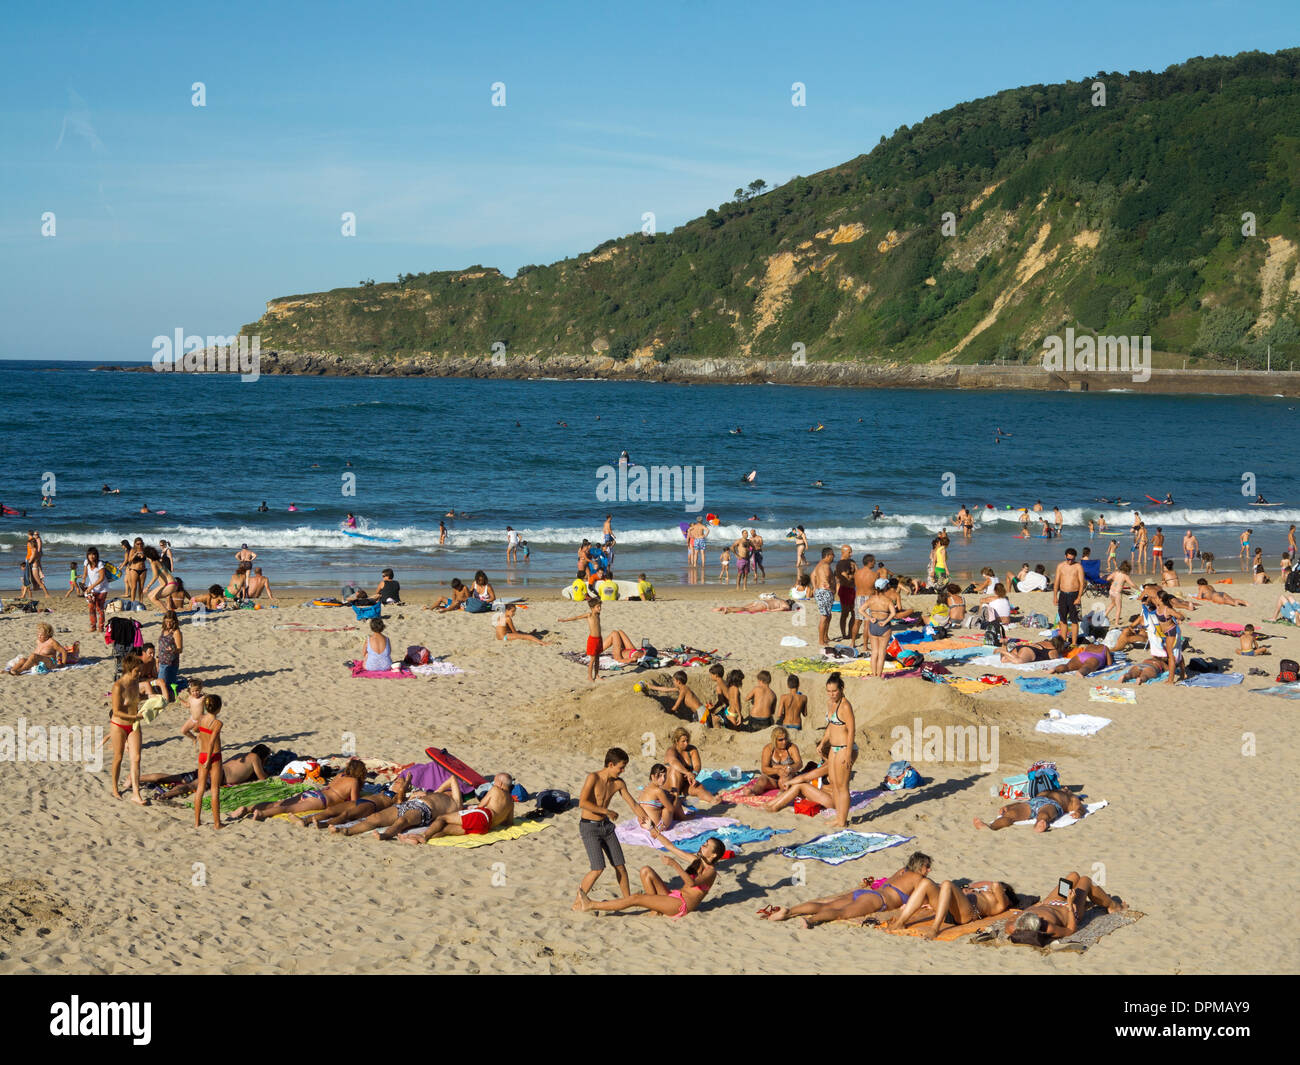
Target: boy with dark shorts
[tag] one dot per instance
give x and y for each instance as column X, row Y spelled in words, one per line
column 596, row 827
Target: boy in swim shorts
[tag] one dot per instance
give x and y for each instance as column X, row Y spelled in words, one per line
column 596, row 826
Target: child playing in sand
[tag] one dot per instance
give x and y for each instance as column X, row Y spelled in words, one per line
column 762, row 700
column 1250, row 644
column 794, row 705
column 596, row 820
column 209, row 729
column 455, row 601
column 726, row 705
column 688, row 704
column 507, row 630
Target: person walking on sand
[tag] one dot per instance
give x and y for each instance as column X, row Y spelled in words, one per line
column 1245, row 547
column 512, row 545
column 801, row 549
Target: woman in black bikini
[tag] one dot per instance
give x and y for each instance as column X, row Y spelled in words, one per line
column 779, row 761
column 1039, row 651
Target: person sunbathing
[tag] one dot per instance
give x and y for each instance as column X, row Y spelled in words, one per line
column 238, row 770
column 418, row 810
column 1287, row 609
column 758, row 606
column 507, row 630
column 48, row 652
column 1024, row 651
column 697, row 878
column 687, row 704
column 342, row 813
column 956, row 905
column 346, row 785
column 683, row 763
column 1207, row 592
column 777, row 764
column 1146, row 672
column 1057, row 915
column 1042, row 809
column 874, row 896
column 495, row 810
column 1134, row 634
column 1087, row 659
column 663, row 805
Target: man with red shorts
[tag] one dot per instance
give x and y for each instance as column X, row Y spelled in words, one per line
column 495, row 810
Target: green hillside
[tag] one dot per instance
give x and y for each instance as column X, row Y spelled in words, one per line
column 1121, row 219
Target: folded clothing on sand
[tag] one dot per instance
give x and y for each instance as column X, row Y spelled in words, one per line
column 1065, row 820
column 842, row 846
column 1212, row 680
column 1071, row 724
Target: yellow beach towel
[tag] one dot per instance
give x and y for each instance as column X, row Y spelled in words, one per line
column 499, row 835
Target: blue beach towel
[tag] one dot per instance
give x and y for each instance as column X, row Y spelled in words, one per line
column 734, row 836
column 1212, row 680
column 957, row 654
column 716, row 780
column 1282, row 691
column 843, row 846
column 1041, row 685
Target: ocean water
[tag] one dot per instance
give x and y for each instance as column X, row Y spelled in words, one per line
column 400, row 453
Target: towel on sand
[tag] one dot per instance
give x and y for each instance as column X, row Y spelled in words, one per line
column 271, row 789
column 1223, row 628
column 950, row 932
column 1102, row 694
column 858, row 800
column 1041, row 685
column 359, row 670
column 1282, row 691
column 1065, row 820
column 842, row 846
column 957, row 654
column 79, row 664
column 1212, row 680
column 734, row 836
column 436, row 668
column 718, row 780
column 994, row 660
column 497, row 835
column 1071, row 724
column 634, row 835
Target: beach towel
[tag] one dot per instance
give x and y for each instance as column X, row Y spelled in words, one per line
column 919, row 925
column 1223, row 628
column 842, row 846
column 858, row 800
column 1102, row 694
column 1041, row 685
column 436, row 668
column 298, row 626
column 39, row 672
column 958, row 654
column 1065, row 820
column 271, row 789
column 358, row 670
column 716, row 780
column 964, row 685
column 793, row 641
column 1212, row 680
column 995, row 661
column 149, row 709
column 734, row 836
column 607, row 662
column 1071, row 724
column 497, row 835
column 632, row 834
column 1282, row 691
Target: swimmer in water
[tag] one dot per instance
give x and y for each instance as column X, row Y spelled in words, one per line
column 876, row 514
column 293, row 506
column 818, row 484
column 263, row 508
column 144, row 508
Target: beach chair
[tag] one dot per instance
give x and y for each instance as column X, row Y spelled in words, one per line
column 1092, row 574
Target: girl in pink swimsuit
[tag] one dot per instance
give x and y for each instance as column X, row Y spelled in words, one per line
column 699, row 876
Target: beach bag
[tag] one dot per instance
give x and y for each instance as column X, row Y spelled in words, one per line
column 911, row 659
column 1288, row 672
column 364, row 613
column 1042, row 777
column 417, row 655
column 553, row 801
column 994, row 633
column 1293, row 580
column 902, row 775
column 892, row 648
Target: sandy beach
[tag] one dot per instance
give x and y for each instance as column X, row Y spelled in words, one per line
column 93, row 885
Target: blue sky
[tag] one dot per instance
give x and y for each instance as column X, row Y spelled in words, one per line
column 173, row 216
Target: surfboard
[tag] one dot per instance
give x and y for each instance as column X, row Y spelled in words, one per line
column 373, row 539
column 458, row 769
column 1159, row 502
column 1267, row 504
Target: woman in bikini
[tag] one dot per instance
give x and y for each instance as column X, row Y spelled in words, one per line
column 957, row 905
column 123, row 721
column 167, row 584
column 1119, row 581
column 1023, row 651
column 838, row 752
column 209, row 729
column 778, row 763
column 1057, row 915
column 878, row 611
column 1087, row 660
column 697, row 878
column 874, row 896
column 341, row 813
column 663, row 806
column 345, row 787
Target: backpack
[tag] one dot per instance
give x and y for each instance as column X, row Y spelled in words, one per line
column 1288, row 672
column 417, row 655
column 1293, row 580
column 901, row 775
column 994, row 633
column 910, row 659
column 1041, row 777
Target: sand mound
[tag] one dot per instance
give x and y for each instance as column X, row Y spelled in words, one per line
column 30, row 906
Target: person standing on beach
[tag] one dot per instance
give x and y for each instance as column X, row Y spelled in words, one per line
column 845, row 587
column 741, row 549
column 1190, row 549
column 209, row 770
column 1056, row 519
column 1140, row 545
column 1245, row 547
column 607, row 531
column 124, row 719
column 1290, row 542
column 801, row 549
column 1068, row 585
column 244, row 556
column 596, row 821
column 94, row 578
column 1158, row 550
column 512, row 545
column 756, row 559
column 822, row 587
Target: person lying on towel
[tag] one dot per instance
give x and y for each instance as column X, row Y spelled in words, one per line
column 1042, row 809
column 495, row 810
column 956, row 905
column 416, row 810
column 1059, row 915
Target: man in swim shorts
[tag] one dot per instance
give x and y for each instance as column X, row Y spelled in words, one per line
column 495, row 810
column 1043, row 809
column 1068, row 584
column 1057, row 915
column 418, row 809
column 821, row 580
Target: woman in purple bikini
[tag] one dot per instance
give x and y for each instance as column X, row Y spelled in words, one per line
column 874, row 896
